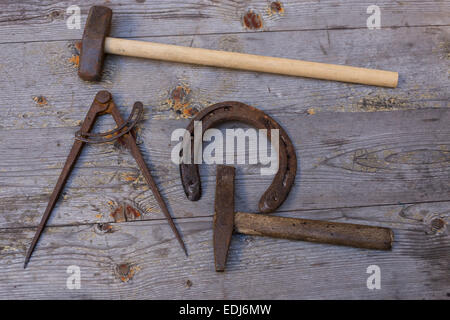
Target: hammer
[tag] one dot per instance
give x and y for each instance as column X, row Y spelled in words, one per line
column 226, row 220
column 96, row 43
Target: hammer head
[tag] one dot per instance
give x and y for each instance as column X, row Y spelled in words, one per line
column 96, row 30
column 224, row 215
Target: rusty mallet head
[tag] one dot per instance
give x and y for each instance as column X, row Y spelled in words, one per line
column 92, row 53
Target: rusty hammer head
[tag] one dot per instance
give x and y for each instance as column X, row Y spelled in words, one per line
column 92, row 53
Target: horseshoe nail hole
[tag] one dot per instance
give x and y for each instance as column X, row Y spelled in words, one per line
column 285, row 180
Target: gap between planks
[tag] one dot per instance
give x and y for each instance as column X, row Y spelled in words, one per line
column 203, row 218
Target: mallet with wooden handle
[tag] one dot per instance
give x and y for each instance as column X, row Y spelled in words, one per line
column 226, row 221
column 96, row 43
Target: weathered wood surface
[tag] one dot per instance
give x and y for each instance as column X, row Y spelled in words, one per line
column 377, row 158
column 30, row 20
column 257, row 267
column 420, row 55
column 366, row 155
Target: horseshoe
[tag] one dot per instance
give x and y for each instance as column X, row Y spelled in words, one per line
column 222, row 112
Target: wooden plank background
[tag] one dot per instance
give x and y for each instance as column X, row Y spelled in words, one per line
column 365, row 154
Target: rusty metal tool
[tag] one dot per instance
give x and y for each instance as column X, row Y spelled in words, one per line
column 226, row 220
column 222, row 112
column 96, row 43
column 104, row 104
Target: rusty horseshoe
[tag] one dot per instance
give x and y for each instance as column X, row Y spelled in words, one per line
column 222, row 112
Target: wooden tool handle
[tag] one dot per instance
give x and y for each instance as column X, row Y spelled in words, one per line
column 354, row 235
column 250, row 62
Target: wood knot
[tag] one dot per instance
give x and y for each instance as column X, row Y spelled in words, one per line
column 252, row 20
column 435, row 224
column 180, row 101
column 125, row 212
column 102, row 228
column 125, row 271
column 276, row 7
column 438, row 225
column 54, row 15
column 40, row 100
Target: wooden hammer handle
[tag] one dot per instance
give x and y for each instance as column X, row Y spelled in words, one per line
column 354, row 235
column 242, row 61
